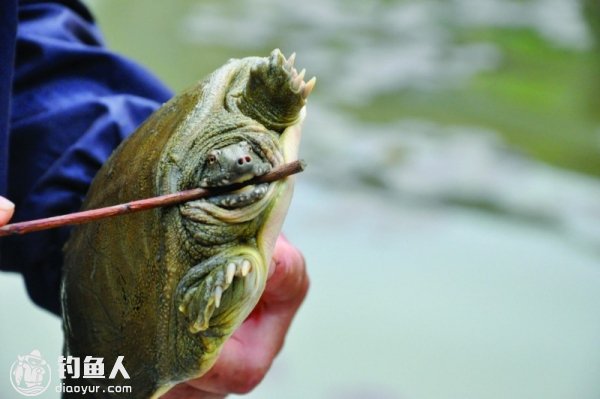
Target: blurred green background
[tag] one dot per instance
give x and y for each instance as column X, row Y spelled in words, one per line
column 450, row 215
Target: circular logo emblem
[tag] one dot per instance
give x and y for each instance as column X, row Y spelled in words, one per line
column 30, row 374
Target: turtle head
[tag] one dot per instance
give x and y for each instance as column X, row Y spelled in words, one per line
column 234, row 163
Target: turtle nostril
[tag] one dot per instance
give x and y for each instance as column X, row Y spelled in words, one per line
column 242, row 160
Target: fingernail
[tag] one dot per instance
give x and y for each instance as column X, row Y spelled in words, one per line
column 6, row 205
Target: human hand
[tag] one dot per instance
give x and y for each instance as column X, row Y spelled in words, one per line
column 247, row 355
column 7, row 209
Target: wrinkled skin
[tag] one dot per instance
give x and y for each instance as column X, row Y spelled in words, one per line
column 165, row 288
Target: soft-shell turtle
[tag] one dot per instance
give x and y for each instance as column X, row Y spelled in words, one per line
column 165, row 288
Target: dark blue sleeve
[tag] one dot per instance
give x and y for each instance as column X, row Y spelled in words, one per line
column 73, row 102
column 8, row 32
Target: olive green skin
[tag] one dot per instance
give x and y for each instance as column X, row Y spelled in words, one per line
column 142, row 285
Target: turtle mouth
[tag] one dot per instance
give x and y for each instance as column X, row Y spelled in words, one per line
column 236, row 206
column 226, row 179
column 240, row 198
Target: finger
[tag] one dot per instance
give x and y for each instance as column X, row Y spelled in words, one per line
column 7, row 209
column 288, row 280
column 247, row 356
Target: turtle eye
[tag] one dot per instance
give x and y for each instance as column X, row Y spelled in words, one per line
column 211, row 158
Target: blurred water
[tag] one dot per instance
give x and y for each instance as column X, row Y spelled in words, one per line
column 360, row 49
column 451, row 236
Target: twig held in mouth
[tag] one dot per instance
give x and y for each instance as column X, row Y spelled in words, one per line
column 144, row 204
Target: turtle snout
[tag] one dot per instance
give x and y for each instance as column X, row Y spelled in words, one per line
column 244, row 163
column 247, row 162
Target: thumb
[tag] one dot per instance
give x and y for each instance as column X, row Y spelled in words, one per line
column 7, row 209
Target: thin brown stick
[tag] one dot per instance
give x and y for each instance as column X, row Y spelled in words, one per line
column 145, row 204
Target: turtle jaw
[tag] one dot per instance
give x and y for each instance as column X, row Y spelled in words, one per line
column 240, row 198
